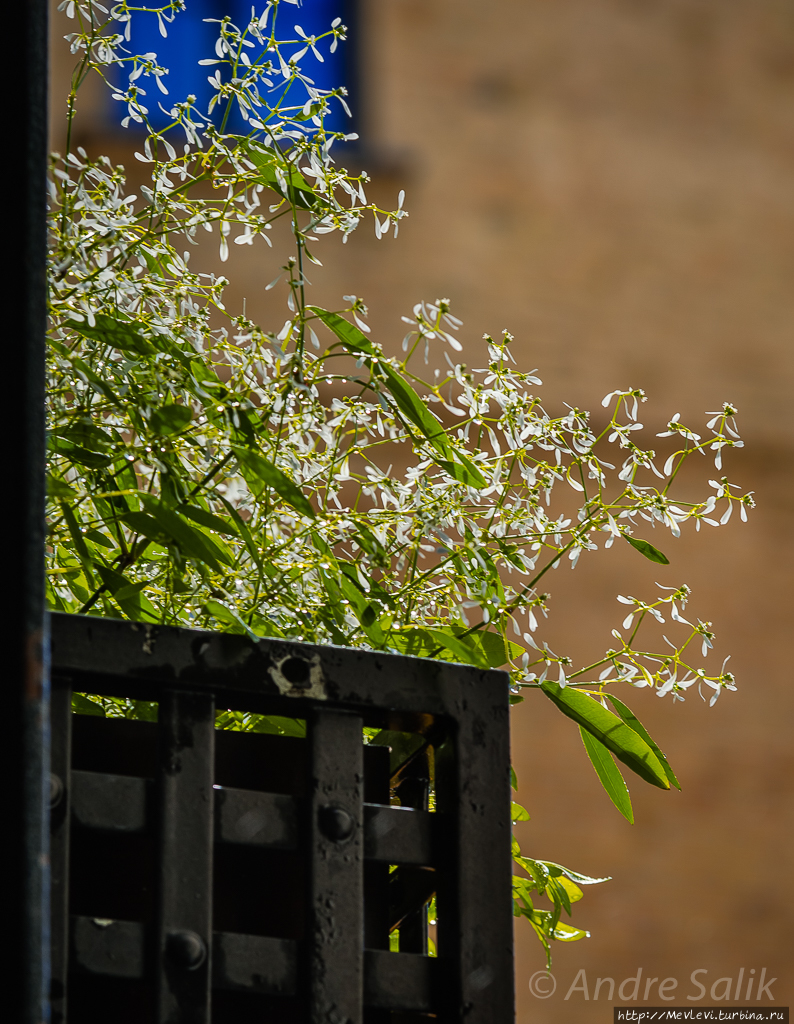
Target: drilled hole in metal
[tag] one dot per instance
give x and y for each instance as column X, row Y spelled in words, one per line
column 295, row 671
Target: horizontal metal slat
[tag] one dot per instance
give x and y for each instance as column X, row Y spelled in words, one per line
column 399, row 981
column 111, row 802
column 392, row 835
column 112, row 948
column 398, row 835
column 253, row 963
column 259, row 819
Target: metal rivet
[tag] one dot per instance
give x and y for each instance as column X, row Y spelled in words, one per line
column 336, row 824
column 56, row 791
column 185, row 949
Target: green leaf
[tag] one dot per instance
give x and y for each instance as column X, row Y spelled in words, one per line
column 648, row 550
column 517, row 812
column 144, row 524
column 75, row 533
column 351, row 337
column 625, row 743
column 299, row 191
column 170, row 419
column 407, row 400
column 513, row 779
column 57, row 488
column 208, row 519
column 223, row 614
column 366, row 613
column 466, row 649
column 127, row 595
column 268, row 475
column 567, row 933
column 81, row 705
column 576, row 876
column 634, row 723
column 193, row 542
column 88, row 435
column 119, row 334
column 607, row 771
column 77, row 453
column 414, row 409
column 403, row 747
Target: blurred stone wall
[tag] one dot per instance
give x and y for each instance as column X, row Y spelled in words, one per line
column 613, row 181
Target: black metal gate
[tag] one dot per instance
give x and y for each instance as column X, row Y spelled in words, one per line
column 206, row 875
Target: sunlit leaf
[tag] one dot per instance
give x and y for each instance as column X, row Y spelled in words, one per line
column 607, row 771
column 644, row 548
column 606, row 727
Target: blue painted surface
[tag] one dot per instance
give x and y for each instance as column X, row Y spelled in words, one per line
column 190, row 39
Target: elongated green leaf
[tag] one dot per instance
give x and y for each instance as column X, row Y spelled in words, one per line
column 170, row 419
column 299, row 191
column 351, row 337
column 363, row 609
column 576, row 876
column 144, row 524
column 464, row 471
column 208, row 519
column 648, row 550
column 269, row 475
column 408, row 402
column 193, row 542
column 567, row 933
column 624, row 742
column 226, row 615
column 87, row 435
column 77, row 453
column 58, row 488
column 76, row 534
column 634, row 723
column 465, row 649
column 127, row 595
column 81, row 705
column 607, row 771
column 118, row 333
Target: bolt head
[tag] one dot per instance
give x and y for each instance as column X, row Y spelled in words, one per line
column 56, row 790
column 185, row 949
column 336, row 824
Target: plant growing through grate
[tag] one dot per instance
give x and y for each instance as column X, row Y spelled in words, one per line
column 202, row 874
column 207, row 472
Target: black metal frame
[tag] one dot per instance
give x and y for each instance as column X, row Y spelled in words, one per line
column 340, row 828
column 24, row 751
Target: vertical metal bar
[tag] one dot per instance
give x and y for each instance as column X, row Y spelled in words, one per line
column 60, row 818
column 475, row 919
column 183, row 954
column 24, row 752
column 336, row 925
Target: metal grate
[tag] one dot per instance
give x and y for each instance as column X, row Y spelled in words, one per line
column 202, row 875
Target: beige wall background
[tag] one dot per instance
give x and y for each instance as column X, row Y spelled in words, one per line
column 613, row 181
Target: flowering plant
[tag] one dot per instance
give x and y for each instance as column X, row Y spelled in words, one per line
column 300, row 482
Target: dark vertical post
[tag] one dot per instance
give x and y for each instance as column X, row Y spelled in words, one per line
column 475, row 919
column 24, row 758
column 60, row 815
column 183, row 954
column 336, row 925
